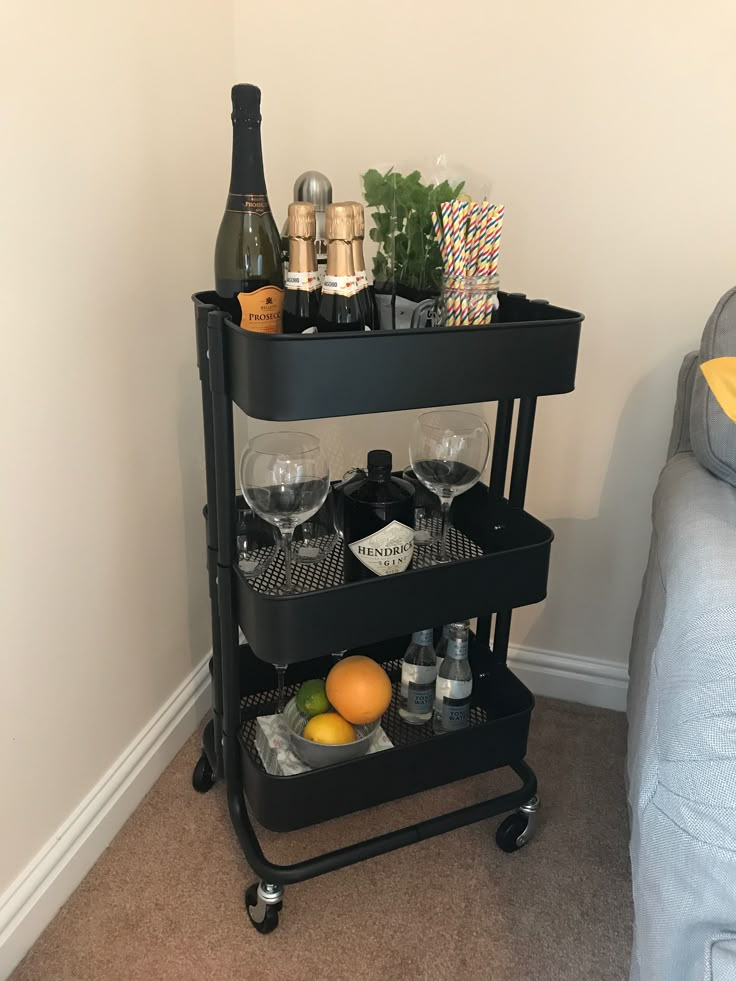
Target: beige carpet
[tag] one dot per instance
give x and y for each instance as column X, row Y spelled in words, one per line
column 165, row 901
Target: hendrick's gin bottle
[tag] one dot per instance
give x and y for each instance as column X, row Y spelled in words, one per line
column 378, row 521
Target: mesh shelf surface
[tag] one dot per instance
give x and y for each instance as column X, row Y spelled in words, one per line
column 329, row 572
column 399, row 732
column 499, row 560
column 501, row 708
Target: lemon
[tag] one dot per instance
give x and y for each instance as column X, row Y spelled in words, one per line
column 329, row 728
column 311, row 698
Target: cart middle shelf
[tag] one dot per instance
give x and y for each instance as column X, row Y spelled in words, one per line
column 504, row 564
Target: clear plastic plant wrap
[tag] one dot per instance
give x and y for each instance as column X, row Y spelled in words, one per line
column 407, row 267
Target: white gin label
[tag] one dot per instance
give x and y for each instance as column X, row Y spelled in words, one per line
column 387, row 551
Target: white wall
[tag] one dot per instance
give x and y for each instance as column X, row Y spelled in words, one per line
column 607, row 129
column 111, row 200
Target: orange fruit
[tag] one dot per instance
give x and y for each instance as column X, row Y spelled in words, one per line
column 329, row 728
column 359, row 689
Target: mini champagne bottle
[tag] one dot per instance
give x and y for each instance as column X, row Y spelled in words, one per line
column 339, row 308
column 365, row 295
column 301, row 300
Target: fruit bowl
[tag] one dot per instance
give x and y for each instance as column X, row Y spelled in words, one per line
column 321, row 754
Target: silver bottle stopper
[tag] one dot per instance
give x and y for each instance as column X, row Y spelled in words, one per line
column 316, row 187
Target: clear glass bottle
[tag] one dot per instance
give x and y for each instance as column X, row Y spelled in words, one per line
column 418, row 675
column 454, row 683
column 441, row 648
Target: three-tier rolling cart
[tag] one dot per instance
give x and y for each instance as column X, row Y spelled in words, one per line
column 530, row 351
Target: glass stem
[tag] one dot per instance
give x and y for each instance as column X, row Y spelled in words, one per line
column 446, row 503
column 280, row 681
column 287, row 533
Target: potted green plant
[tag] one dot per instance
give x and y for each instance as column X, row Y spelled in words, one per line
column 408, row 266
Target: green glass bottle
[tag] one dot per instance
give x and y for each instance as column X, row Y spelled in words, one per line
column 249, row 275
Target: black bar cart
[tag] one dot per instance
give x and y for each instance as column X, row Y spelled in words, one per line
column 531, row 350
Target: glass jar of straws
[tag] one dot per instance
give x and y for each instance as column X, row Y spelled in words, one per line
column 468, row 300
column 469, row 236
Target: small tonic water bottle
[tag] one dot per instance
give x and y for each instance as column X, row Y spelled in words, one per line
column 454, row 683
column 418, row 675
column 441, row 648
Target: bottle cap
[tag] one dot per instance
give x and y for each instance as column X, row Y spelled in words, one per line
column 358, row 219
column 339, row 222
column 246, row 103
column 379, row 460
column 302, row 222
column 315, row 187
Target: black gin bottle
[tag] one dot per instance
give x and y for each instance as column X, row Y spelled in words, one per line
column 378, row 521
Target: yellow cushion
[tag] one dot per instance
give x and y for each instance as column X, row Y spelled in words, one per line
column 720, row 373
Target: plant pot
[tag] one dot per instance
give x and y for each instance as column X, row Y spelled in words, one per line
column 397, row 315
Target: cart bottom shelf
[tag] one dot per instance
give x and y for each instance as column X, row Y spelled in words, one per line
column 497, row 736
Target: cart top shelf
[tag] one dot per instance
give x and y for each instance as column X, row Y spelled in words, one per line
column 531, row 350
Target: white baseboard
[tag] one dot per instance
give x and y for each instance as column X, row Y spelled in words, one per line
column 571, row 677
column 31, row 902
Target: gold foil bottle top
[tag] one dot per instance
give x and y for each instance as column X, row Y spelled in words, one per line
column 358, row 219
column 339, row 222
column 302, row 221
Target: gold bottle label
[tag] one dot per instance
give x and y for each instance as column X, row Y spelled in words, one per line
column 262, row 309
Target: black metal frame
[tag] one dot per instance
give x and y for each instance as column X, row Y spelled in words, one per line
column 220, row 738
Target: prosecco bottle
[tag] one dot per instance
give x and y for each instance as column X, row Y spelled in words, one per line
column 378, row 521
column 301, row 300
column 249, row 276
column 339, row 309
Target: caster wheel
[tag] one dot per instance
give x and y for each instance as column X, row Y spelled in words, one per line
column 509, row 832
column 264, row 916
column 203, row 778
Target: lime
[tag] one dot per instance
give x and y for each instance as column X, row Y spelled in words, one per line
column 311, row 698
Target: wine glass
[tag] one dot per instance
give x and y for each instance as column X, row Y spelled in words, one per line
column 449, row 451
column 285, row 479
